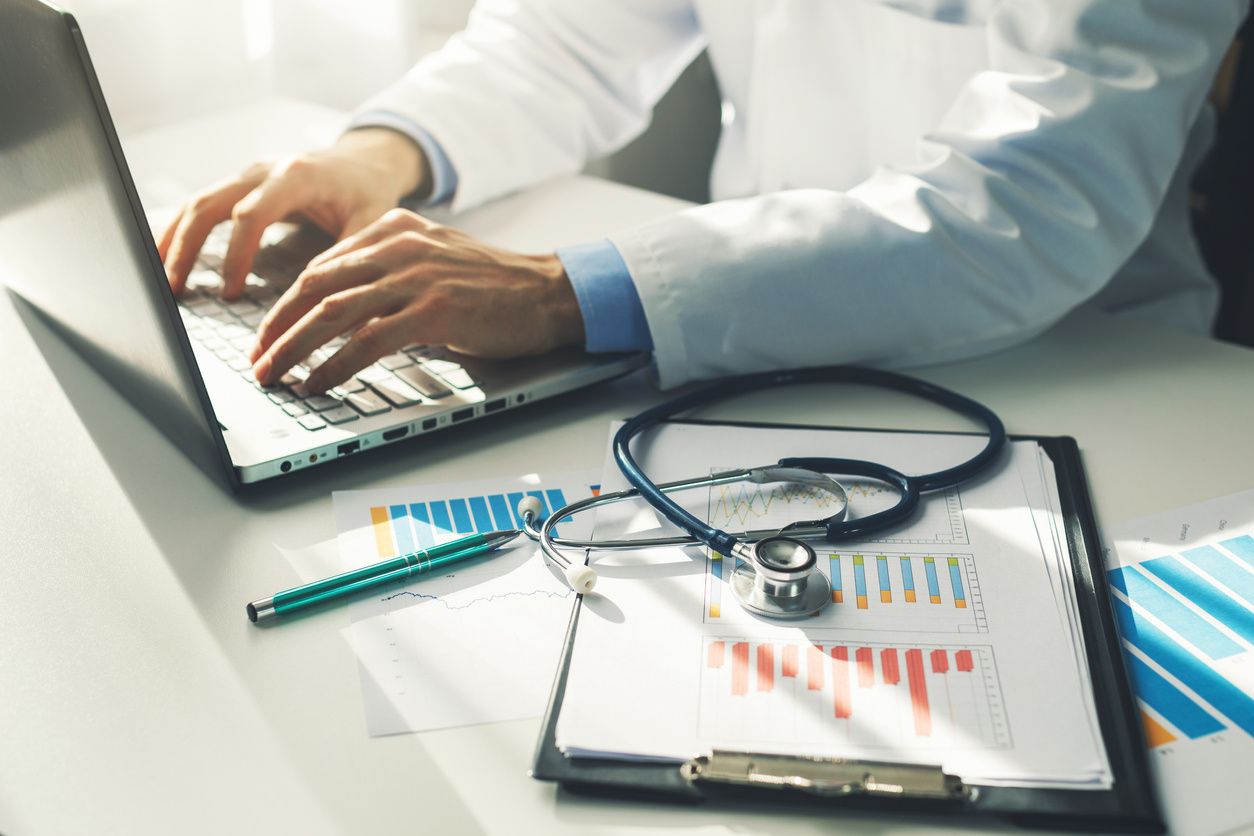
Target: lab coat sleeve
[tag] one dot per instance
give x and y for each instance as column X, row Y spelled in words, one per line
column 1040, row 181
column 535, row 88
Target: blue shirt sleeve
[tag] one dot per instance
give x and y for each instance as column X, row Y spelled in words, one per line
column 613, row 318
column 443, row 175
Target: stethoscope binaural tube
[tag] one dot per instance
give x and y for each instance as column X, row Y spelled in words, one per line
column 582, row 578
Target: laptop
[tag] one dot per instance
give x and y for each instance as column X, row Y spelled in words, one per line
column 75, row 243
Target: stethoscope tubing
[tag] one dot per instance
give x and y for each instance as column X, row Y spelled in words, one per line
column 910, row 487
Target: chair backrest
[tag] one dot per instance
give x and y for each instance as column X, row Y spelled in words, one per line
column 1223, row 216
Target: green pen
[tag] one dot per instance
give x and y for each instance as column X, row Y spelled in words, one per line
column 389, row 571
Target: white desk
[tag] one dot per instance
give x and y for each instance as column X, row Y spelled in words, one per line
column 135, row 696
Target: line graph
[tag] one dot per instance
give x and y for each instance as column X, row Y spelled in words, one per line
column 742, row 505
column 433, row 652
column 483, row 599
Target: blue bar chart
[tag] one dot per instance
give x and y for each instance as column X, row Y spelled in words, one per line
column 1187, row 622
column 877, row 591
column 407, row 527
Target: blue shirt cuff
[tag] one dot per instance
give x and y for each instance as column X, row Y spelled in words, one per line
column 443, row 175
column 613, row 318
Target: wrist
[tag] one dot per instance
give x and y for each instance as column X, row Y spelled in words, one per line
column 561, row 308
column 398, row 155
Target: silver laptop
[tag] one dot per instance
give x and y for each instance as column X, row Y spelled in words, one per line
column 75, row 243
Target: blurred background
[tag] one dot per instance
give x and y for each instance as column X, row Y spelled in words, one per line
column 164, row 61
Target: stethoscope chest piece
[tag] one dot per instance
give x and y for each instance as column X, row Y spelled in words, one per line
column 778, row 578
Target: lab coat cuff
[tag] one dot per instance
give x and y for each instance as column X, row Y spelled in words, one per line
column 443, row 174
column 613, row 317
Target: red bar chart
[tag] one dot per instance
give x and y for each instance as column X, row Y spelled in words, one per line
column 868, row 695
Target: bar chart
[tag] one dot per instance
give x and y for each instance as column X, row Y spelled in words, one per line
column 407, row 527
column 880, row 591
column 741, row 506
column 1187, row 621
column 864, row 694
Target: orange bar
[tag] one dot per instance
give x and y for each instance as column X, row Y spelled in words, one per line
column 766, row 667
column 788, row 665
column 960, row 603
column 382, row 532
column 964, row 661
column 866, row 671
column 886, row 596
column 935, row 599
column 740, row 668
column 862, row 602
column 910, row 596
column 840, row 682
column 838, row 596
column 814, row 668
column 1155, row 734
column 714, row 656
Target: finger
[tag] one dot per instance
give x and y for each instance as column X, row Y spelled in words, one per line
column 375, row 339
column 197, row 221
column 329, row 318
column 310, row 288
column 391, row 223
column 163, row 246
column 269, row 203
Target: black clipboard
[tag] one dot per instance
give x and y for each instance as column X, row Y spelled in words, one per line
column 1130, row 805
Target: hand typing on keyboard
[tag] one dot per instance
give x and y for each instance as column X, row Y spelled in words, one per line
column 341, row 189
column 404, row 280
column 390, row 282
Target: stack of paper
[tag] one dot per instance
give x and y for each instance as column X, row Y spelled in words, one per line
column 953, row 640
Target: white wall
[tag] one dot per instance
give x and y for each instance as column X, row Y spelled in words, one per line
column 164, row 60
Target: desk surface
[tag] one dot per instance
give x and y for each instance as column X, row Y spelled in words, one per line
column 136, row 696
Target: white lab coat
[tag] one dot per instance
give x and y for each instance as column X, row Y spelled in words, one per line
column 899, row 181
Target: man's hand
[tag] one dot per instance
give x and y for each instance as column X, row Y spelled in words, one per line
column 405, row 280
column 340, row 189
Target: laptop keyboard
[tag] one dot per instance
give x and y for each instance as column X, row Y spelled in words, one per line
column 418, row 374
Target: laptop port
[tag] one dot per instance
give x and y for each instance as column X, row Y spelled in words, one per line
column 399, row 432
column 429, row 423
column 494, row 406
column 463, row 414
column 348, row 448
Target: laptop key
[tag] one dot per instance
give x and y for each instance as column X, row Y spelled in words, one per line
column 373, row 374
column 397, row 392
column 459, row 378
column 367, row 402
column 311, row 422
column 395, row 361
column 427, row 384
column 348, row 387
column 438, row 366
column 281, row 396
column 253, row 318
column 294, row 409
column 339, row 415
column 239, row 364
column 318, row 403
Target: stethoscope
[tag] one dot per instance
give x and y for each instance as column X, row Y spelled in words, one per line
column 776, row 572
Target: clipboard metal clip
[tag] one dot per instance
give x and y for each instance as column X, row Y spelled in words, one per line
column 828, row 777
